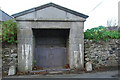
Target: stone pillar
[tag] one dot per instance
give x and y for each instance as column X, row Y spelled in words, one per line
column 25, row 50
column 76, row 42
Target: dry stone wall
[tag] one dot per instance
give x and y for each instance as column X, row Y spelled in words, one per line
column 102, row 53
column 99, row 54
column 9, row 58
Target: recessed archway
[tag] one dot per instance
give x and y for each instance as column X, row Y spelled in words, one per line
column 51, row 48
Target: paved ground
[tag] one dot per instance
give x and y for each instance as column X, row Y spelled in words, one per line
column 107, row 74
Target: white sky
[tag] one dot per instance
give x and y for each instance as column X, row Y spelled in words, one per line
column 108, row 9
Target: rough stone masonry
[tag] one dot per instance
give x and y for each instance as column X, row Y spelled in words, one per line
column 99, row 54
column 102, row 53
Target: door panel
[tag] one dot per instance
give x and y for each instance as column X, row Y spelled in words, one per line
column 59, row 56
column 41, row 56
column 50, row 57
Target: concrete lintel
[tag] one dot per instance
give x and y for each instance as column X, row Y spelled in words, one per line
column 49, row 20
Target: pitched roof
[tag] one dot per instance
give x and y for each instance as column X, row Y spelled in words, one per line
column 4, row 16
column 49, row 5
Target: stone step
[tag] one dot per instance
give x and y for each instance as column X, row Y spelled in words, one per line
column 55, row 72
column 50, row 71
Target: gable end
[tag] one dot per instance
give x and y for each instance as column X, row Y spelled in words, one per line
column 50, row 5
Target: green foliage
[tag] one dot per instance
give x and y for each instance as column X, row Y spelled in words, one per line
column 101, row 33
column 9, row 32
column 34, row 62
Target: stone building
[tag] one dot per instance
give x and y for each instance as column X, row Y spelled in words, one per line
column 50, row 36
column 4, row 16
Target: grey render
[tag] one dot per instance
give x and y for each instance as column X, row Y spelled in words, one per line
column 50, row 16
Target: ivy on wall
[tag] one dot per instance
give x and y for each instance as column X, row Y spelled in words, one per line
column 9, row 32
column 101, row 33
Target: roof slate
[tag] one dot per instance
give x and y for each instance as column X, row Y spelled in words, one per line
column 4, row 16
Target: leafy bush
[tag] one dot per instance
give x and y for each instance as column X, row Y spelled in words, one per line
column 9, row 31
column 101, row 33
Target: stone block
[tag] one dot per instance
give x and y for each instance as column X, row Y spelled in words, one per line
column 89, row 66
column 14, row 55
column 12, row 50
column 87, row 59
column 12, row 70
column 7, row 55
column 11, row 63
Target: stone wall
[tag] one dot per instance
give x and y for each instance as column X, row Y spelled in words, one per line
column 102, row 53
column 9, row 57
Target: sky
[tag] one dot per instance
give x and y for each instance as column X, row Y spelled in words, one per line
column 99, row 11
